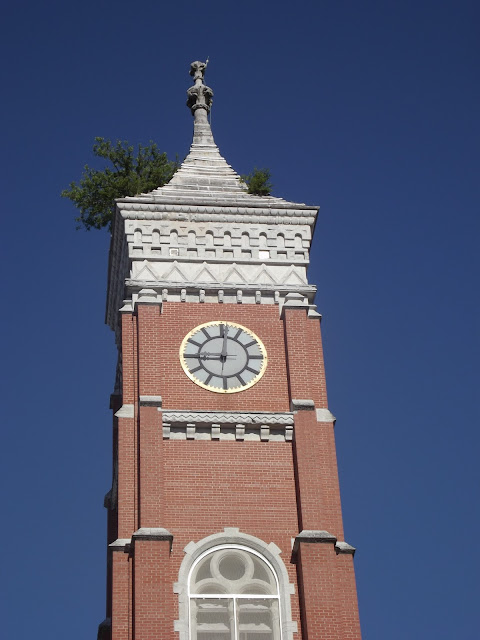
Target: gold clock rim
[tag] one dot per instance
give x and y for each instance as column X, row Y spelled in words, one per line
column 215, row 389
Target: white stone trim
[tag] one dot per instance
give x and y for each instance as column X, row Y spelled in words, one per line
column 230, row 417
column 126, row 411
column 211, row 425
column 344, row 547
column 220, row 292
column 150, row 401
column 208, row 211
column 232, row 535
column 149, row 296
column 261, row 433
column 302, row 405
column 324, row 415
column 119, row 544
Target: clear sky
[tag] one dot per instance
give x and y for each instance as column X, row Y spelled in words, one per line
column 369, row 109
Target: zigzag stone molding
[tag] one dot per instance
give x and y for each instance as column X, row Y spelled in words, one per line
column 219, row 274
column 209, row 425
column 228, row 417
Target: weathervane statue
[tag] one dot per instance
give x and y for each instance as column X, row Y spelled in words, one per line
column 200, row 97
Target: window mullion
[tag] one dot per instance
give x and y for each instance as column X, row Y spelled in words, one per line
column 235, row 618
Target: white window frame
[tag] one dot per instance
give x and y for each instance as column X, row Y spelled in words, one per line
column 233, row 596
column 269, row 553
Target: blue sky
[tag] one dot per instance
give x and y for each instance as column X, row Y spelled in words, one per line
column 369, row 109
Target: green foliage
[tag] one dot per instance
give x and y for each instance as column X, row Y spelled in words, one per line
column 258, row 182
column 94, row 195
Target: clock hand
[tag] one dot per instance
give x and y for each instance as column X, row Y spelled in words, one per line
column 224, row 347
column 204, row 355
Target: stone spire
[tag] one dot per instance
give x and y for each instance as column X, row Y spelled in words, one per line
column 205, row 175
column 199, row 100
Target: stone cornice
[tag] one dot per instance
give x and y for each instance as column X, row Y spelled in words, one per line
column 306, row 289
column 208, row 211
column 169, row 204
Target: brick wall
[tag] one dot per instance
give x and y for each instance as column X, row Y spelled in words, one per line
column 160, row 336
column 196, row 488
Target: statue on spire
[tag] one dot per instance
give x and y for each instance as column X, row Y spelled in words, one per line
column 199, row 96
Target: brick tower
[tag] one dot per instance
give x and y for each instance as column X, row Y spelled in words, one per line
column 224, row 517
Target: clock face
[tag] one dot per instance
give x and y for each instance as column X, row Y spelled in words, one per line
column 223, row 357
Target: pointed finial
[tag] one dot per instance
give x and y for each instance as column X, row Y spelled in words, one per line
column 199, row 96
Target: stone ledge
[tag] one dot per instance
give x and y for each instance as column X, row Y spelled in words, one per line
column 324, row 415
column 294, row 300
column 125, row 411
column 152, row 534
column 148, row 296
column 150, row 401
column 302, row 405
column 312, row 536
column 120, row 544
column 344, row 547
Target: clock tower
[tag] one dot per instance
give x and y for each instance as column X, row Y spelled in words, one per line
column 224, row 516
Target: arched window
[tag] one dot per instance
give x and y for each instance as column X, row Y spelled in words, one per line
column 262, row 240
column 209, row 239
column 233, row 594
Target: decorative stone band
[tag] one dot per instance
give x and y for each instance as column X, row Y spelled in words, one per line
column 242, row 426
column 208, row 211
column 320, row 536
column 190, row 291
